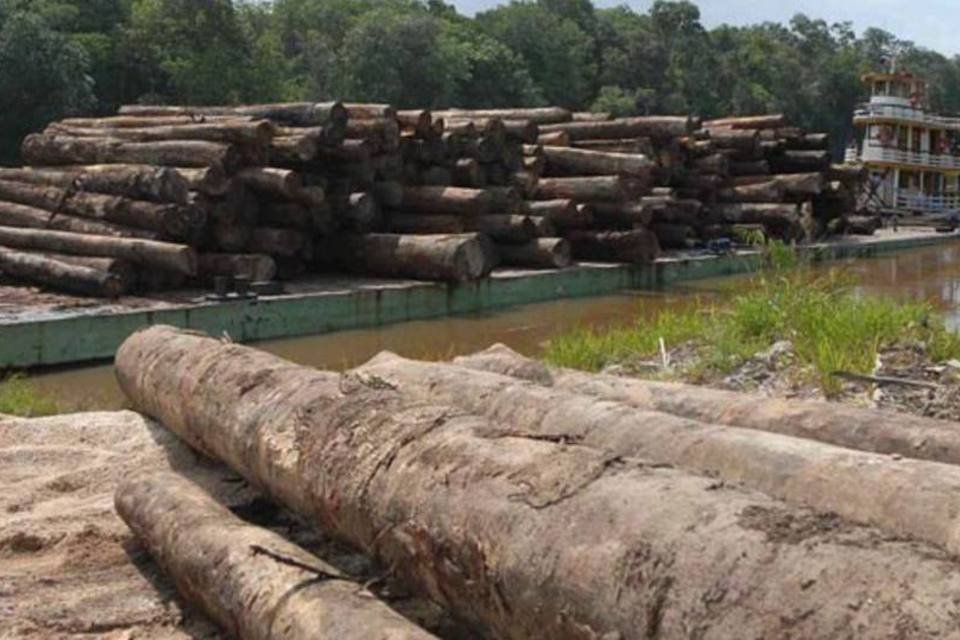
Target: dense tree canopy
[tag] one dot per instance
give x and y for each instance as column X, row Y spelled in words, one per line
column 60, row 57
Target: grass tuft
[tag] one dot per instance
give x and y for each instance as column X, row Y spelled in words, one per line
column 19, row 398
column 832, row 326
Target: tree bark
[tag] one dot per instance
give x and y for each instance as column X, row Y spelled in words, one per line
column 272, row 181
column 541, row 115
column 554, row 139
column 292, row 151
column 590, row 116
column 772, row 121
column 147, row 253
column 420, row 121
column 254, row 133
column 621, row 214
column 769, row 191
column 233, row 570
column 369, row 111
column 303, row 114
column 57, row 274
column 561, row 212
column 794, row 184
column 745, row 140
column 39, row 149
column 450, row 258
column 173, row 220
column 675, row 236
column 801, row 161
column 630, row 145
column 157, row 184
column 211, row 181
column 540, row 253
column 587, row 189
column 579, row 162
column 646, row 126
column 469, row 173
column 455, row 200
column 500, row 525
column 717, row 164
column 637, row 246
column 382, row 133
column 19, row 215
column 749, row 168
column 284, row 243
column 142, row 122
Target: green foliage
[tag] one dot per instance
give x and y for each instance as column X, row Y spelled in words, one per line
column 19, row 398
column 832, row 328
column 92, row 55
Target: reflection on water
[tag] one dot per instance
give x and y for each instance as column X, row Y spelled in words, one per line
column 931, row 274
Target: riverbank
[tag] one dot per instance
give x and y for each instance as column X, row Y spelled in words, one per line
column 43, row 329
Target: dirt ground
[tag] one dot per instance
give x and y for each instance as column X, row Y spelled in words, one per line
column 69, row 567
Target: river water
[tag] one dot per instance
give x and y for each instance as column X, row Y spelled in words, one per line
column 931, row 274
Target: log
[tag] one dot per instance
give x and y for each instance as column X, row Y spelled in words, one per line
column 437, row 177
column 801, row 161
column 743, row 140
column 659, row 127
column 146, row 253
column 628, row 145
column 455, row 200
column 383, row 133
column 418, row 224
column 45, row 270
column 540, row 253
column 272, row 181
column 862, row 225
column 504, row 228
column 176, row 221
column 389, row 193
column 590, row 116
column 419, row 120
column 636, row 246
column 621, row 214
column 256, row 267
column 540, row 115
column 594, row 188
column 772, row 121
column 122, row 269
column 569, row 161
column 360, row 212
column 19, row 215
column 811, row 142
column 717, row 163
column 350, row 150
column 793, row 184
column 749, row 168
column 140, row 122
column 255, row 133
column 554, row 139
column 368, row 111
column 292, row 150
column 770, row 191
column 251, row 581
column 302, row 114
column 157, row 184
column 450, row 258
column 500, row 526
column 40, row 149
column 293, row 215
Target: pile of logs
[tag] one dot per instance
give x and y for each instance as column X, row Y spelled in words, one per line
column 543, row 503
column 158, row 197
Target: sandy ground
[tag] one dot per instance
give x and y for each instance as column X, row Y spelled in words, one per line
column 69, row 567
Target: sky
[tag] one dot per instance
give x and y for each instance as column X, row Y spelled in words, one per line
column 929, row 23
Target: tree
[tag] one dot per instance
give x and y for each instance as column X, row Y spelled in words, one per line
column 43, row 76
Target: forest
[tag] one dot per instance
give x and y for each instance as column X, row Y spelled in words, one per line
column 63, row 57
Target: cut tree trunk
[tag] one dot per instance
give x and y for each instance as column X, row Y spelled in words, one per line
column 450, row 258
column 41, row 269
column 636, row 246
column 500, row 525
column 284, row 243
column 144, row 182
column 251, row 581
column 629, row 145
column 801, row 161
column 141, row 122
column 569, row 161
column 772, row 121
column 769, row 191
column 745, row 140
column 272, row 181
column 469, row 173
column 590, row 189
column 561, row 212
column 303, row 114
column 793, row 184
column 173, row 220
column 146, row 253
column 675, row 236
column 39, row 149
column 455, row 200
column 541, row 253
column 254, row 133
column 621, row 214
column 20, row 215
column 292, row 150
column 369, row 111
column 554, row 139
column 211, row 181
column 920, row 497
column 659, row 127
column 541, row 115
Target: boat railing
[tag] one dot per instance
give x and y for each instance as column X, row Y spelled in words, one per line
column 928, row 203
column 912, row 114
column 877, row 153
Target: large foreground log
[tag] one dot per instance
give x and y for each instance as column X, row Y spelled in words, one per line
column 165, row 256
column 19, row 215
column 252, row 582
column 637, row 246
column 254, row 133
column 570, row 161
column 530, row 535
column 40, row 269
column 920, row 497
column 451, row 258
column 144, row 182
column 40, row 149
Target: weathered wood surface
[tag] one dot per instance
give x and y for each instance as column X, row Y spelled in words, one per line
column 637, row 246
column 158, row 184
column 500, row 525
column 41, row 269
column 41, row 149
column 251, row 581
column 540, row 253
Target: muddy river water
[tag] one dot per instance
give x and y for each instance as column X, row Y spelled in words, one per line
column 931, row 274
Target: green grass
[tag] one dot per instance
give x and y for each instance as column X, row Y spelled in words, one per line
column 19, row 398
column 831, row 326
